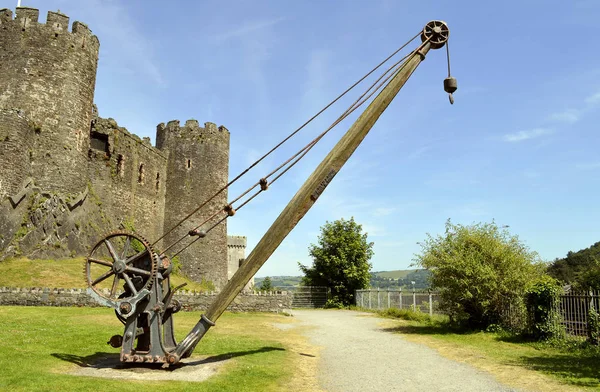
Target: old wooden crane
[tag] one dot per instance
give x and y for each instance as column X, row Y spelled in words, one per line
column 146, row 305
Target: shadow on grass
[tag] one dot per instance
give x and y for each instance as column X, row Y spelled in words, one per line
column 576, row 369
column 425, row 329
column 101, row 360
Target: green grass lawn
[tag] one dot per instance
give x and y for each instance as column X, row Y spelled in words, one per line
column 559, row 366
column 39, row 345
column 63, row 273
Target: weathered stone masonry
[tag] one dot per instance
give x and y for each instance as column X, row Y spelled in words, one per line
column 68, row 176
column 245, row 302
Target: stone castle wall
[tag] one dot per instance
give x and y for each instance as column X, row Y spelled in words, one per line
column 244, row 302
column 69, row 177
column 129, row 177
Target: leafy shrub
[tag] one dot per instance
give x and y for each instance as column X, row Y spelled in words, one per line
column 542, row 300
column 405, row 314
column 477, row 269
column 593, row 326
column 334, row 303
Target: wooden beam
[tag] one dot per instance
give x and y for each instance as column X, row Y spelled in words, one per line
column 313, row 187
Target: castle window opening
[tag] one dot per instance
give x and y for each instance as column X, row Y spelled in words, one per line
column 120, row 165
column 99, row 141
column 157, row 181
column 141, row 174
column 189, row 164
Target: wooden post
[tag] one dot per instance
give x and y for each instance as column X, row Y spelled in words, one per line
column 430, row 305
column 388, row 293
column 414, row 301
column 400, row 299
column 378, row 300
column 314, row 186
column 369, row 298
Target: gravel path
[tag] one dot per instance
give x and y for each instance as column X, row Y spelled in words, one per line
column 358, row 355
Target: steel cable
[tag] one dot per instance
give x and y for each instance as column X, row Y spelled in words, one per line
column 284, row 140
column 392, row 70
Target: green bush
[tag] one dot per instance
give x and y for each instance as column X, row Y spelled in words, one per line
column 477, row 269
column 541, row 300
column 405, row 314
column 334, row 303
column 593, row 326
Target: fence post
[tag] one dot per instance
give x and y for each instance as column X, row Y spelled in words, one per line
column 378, row 300
column 414, row 301
column 362, row 299
column 388, row 293
column 400, row 299
column 430, row 305
column 369, row 299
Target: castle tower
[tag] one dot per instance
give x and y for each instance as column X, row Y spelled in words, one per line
column 197, row 167
column 49, row 74
column 236, row 255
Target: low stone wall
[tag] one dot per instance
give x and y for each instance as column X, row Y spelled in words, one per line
column 191, row 301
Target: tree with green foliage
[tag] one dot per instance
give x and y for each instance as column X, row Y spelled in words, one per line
column 266, row 284
column 340, row 260
column 478, row 269
column 542, row 300
column 580, row 269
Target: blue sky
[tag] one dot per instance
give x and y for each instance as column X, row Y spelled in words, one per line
column 520, row 145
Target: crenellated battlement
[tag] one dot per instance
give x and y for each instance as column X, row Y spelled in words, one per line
column 236, row 241
column 190, row 131
column 57, row 24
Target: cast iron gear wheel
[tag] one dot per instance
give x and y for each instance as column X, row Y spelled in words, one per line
column 125, row 257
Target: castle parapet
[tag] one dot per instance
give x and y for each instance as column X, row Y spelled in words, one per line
column 28, row 18
column 236, row 241
column 58, row 21
column 190, row 131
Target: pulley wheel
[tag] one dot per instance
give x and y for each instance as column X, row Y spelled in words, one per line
column 437, row 32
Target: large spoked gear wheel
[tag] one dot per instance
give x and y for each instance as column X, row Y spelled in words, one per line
column 121, row 258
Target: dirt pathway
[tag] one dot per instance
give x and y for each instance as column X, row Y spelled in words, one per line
column 359, row 355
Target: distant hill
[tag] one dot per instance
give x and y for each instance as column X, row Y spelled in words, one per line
column 397, row 274
column 381, row 279
column 570, row 268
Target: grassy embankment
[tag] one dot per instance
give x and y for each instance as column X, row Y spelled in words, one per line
column 40, row 346
column 64, row 273
column 558, row 366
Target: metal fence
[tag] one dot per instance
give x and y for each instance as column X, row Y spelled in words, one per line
column 307, row 296
column 426, row 302
column 574, row 309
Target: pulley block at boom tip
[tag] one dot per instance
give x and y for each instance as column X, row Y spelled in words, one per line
column 437, row 33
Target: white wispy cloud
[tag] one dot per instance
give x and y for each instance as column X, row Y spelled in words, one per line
column 374, row 230
column 570, row 116
column 129, row 51
column 588, row 166
column 384, row 211
column 247, row 28
column 317, row 70
column 526, row 135
column 593, row 99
